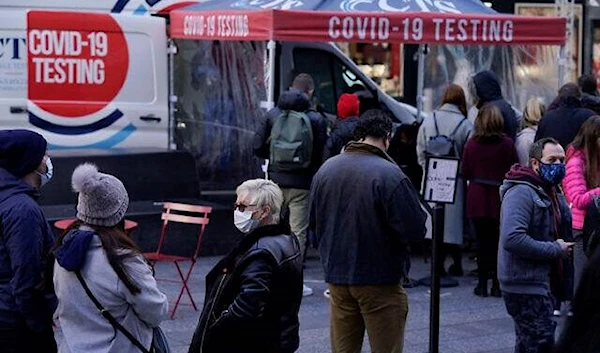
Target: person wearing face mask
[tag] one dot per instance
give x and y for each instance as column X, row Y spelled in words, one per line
column 253, row 294
column 364, row 210
column 534, row 220
column 27, row 300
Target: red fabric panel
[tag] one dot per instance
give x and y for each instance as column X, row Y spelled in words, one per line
column 368, row 27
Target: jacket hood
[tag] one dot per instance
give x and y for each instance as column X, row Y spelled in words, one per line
column 294, row 100
column 73, row 251
column 487, row 86
column 519, row 174
column 10, row 185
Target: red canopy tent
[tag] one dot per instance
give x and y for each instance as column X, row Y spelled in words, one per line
column 405, row 27
column 458, row 22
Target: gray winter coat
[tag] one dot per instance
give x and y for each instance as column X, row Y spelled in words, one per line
column 83, row 328
column 448, row 117
column 525, row 139
column 527, row 248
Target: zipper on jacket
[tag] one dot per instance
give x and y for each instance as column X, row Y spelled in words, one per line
column 219, row 287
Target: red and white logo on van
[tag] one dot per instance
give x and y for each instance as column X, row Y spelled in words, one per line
column 77, row 63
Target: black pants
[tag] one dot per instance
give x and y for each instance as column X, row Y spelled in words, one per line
column 23, row 340
column 487, row 231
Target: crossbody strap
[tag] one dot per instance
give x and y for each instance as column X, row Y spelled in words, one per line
column 437, row 131
column 109, row 316
column 457, row 127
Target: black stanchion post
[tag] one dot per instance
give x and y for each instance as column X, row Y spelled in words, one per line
column 434, row 311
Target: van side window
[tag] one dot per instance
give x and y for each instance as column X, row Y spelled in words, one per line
column 332, row 77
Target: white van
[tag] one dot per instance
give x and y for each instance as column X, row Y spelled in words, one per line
column 85, row 80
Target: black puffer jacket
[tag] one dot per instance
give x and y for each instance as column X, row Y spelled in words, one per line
column 296, row 101
column 340, row 135
column 253, row 297
column 563, row 120
column 489, row 92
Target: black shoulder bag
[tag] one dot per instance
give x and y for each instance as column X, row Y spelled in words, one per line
column 159, row 342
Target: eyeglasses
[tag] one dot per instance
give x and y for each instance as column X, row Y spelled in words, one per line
column 241, row 207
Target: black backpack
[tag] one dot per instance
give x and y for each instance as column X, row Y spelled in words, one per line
column 442, row 145
column 591, row 227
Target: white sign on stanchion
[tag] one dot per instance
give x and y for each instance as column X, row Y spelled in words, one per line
column 440, row 180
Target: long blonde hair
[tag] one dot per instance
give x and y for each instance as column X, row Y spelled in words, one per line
column 534, row 110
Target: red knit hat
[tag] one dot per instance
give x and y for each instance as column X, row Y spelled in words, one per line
column 348, row 106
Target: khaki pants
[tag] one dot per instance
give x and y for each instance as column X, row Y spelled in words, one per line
column 381, row 310
column 296, row 200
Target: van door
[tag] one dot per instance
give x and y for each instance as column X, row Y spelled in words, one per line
column 334, row 74
column 91, row 80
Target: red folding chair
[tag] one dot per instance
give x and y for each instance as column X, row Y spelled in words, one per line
column 181, row 213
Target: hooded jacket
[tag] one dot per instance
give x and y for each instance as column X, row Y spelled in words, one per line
column 83, row 328
column 527, row 247
column 299, row 102
column 575, row 186
column 364, row 211
column 253, row 297
column 489, row 91
column 563, row 120
column 25, row 242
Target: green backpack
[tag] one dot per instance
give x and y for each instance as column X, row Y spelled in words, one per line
column 291, row 142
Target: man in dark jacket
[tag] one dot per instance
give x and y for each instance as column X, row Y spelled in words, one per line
column 253, row 294
column 589, row 96
column 364, row 211
column 26, row 300
column 486, row 88
column 564, row 116
column 348, row 109
column 533, row 215
column 295, row 185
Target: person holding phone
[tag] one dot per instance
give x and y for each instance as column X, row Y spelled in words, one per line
column 533, row 214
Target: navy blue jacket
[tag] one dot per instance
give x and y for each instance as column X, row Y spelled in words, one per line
column 562, row 121
column 364, row 211
column 25, row 241
column 299, row 102
column 489, row 92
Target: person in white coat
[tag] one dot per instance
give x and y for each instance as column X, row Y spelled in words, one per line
column 534, row 110
column 112, row 267
column 451, row 119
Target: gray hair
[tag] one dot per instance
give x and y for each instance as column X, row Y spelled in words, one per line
column 263, row 192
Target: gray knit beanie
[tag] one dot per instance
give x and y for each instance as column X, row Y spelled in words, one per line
column 103, row 199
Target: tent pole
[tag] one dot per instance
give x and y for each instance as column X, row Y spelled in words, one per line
column 562, row 66
column 271, row 46
column 421, row 79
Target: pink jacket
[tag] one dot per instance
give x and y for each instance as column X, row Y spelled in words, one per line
column 575, row 187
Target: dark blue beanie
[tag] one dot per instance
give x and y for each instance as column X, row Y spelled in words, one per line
column 21, row 151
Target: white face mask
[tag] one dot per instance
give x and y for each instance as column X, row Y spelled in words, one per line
column 45, row 177
column 244, row 222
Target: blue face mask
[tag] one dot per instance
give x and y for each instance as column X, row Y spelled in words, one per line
column 553, row 173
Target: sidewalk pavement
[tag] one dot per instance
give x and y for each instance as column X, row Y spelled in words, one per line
column 469, row 324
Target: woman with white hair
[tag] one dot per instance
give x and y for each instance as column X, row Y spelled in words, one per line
column 253, row 294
